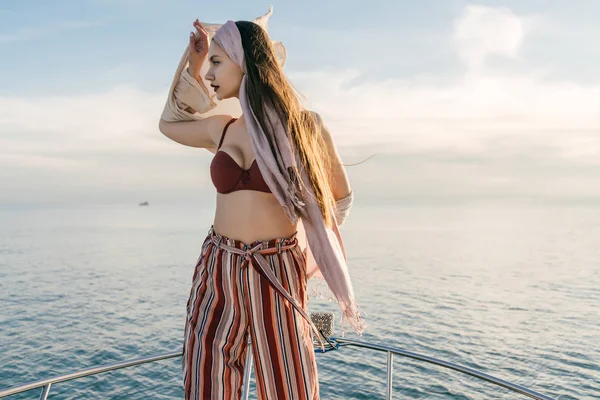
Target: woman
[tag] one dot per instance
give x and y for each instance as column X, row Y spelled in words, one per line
column 251, row 276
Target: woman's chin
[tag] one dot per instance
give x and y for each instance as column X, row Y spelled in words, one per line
column 221, row 95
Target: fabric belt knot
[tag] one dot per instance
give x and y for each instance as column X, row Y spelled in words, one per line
column 255, row 256
column 248, row 254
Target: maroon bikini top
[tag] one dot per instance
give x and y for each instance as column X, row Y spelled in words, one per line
column 228, row 176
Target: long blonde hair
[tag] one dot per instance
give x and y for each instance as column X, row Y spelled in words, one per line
column 268, row 84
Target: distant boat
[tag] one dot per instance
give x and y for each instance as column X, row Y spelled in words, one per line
column 145, row 203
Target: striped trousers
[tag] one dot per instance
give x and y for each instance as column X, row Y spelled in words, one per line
column 236, row 296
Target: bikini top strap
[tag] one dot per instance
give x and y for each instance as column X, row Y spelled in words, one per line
column 224, row 131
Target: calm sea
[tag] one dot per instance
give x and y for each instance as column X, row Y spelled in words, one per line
column 512, row 290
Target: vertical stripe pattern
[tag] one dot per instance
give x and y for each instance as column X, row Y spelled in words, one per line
column 232, row 300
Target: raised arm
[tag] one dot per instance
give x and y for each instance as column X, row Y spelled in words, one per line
column 203, row 133
column 181, row 120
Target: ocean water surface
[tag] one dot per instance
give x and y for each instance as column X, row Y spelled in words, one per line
column 511, row 290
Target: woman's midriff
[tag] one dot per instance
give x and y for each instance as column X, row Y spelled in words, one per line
column 249, row 215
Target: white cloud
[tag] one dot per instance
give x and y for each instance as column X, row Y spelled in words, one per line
column 482, row 31
column 119, row 119
column 459, row 116
column 468, row 113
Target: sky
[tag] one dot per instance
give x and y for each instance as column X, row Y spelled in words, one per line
column 458, row 100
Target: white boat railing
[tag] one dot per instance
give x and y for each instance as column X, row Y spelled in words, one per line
column 335, row 344
column 391, row 351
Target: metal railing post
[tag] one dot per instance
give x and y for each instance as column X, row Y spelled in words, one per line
column 390, row 371
column 247, row 373
column 45, row 392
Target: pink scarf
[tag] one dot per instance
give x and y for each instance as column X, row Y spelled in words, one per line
column 324, row 243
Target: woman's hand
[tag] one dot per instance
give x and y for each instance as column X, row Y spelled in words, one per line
column 198, row 48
